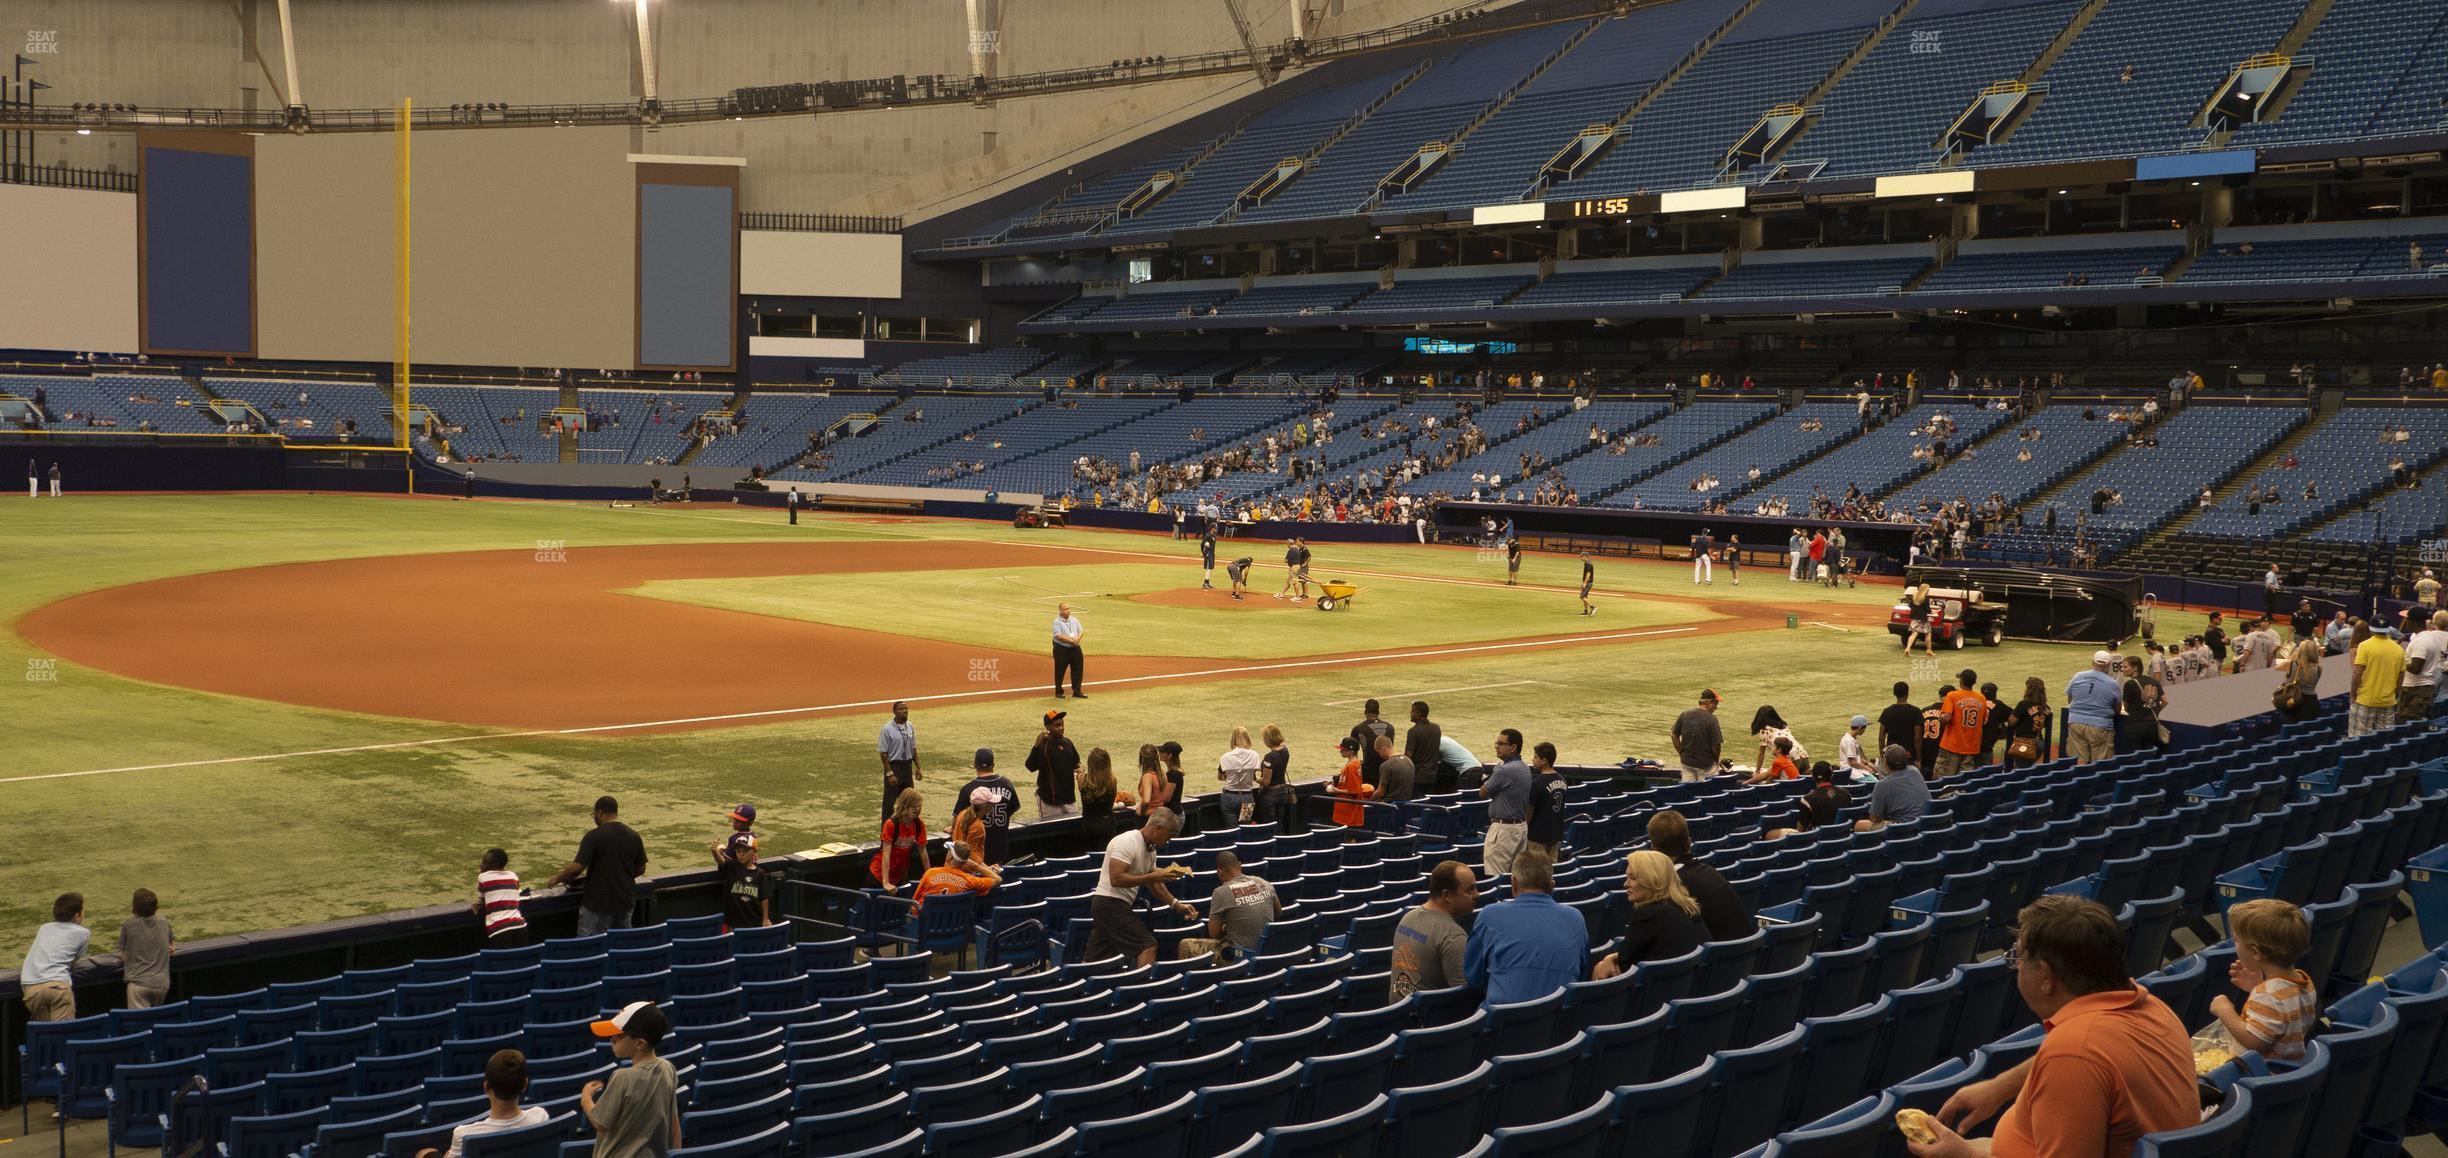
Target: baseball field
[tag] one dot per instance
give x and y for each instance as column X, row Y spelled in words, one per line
column 274, row 709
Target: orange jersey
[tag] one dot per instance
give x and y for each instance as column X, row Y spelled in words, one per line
column 1348, row 783
column 1966, row 712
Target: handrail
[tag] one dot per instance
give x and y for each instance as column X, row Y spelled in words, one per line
column 68, row 177
column 819, row 222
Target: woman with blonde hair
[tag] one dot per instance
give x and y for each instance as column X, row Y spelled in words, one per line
column 902, row 856
column 1238, row 769
column 2297, row 696
column 1665, row 920
column 1917, row 606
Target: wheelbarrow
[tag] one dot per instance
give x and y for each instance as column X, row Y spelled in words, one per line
column 1335, row 593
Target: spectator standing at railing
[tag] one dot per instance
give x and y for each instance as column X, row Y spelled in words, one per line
column 58, row 949
column 2092, row 698
column 2428, row 648
column 2379, row 664
column 145, row 946
column 611, row 858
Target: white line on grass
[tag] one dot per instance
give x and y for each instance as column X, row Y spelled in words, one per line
column 1430, row 692
column 1031, row 689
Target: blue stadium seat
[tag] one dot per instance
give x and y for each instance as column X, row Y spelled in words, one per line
column 1164, row 1129
column 1531, row 1087
column 1665, row 1116
column 139, row 1097
column 1332, row 1137
column 1332, row 1085
column 1440, row 1114
column 2222, row 1135
column 276, row 1135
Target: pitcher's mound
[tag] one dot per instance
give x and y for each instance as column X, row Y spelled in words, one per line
column 1221, row 598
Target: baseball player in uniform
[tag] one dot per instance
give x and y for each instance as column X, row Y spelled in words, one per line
column 1207, row 537
column 1702, row 546
column 1238, row 572
column 1589, row 578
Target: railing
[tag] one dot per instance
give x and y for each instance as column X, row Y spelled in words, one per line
column 68, row 177
column 820, row 222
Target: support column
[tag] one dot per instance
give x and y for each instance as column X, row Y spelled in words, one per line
column 297, row 96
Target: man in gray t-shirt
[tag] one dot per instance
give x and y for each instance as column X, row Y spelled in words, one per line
column 1698, row 740
column 1237, row 914
column 1395, row 774
column 1429, row 943
column 144, row 952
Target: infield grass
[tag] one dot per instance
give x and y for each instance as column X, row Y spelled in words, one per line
column 256, row 843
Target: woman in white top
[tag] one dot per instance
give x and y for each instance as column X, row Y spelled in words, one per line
column 1238, row 769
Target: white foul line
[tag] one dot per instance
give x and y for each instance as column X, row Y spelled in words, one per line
column 1330, row 661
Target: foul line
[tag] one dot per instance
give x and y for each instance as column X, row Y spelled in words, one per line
column 1032, row 689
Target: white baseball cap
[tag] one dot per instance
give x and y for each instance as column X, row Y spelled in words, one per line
column 2103, row 658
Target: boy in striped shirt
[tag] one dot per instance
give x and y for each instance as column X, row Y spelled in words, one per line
column 497, row 902
column 2271, row 936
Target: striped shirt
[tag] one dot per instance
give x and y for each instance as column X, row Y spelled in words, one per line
column 498, row 898
column 2281, row 1010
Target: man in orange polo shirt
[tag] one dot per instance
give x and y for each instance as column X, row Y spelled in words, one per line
column 1966, row 712
column 2116, row 1063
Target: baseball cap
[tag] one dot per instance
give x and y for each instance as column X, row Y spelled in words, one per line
column 745, row 814
column 1858, row 722
column 1897, row 756
column 1708, row 693
column 984, row 758
column 2102, row 657
column 638, row 1019
column 1348, row 744
column 1054, row 715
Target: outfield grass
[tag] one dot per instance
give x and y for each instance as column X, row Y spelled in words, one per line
column 257, row 843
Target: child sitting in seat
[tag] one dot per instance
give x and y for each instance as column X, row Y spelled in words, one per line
column 2271, row 937
column 1781, row 767
column 505, row 1081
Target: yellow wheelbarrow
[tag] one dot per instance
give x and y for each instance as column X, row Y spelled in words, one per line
column 1335, row 593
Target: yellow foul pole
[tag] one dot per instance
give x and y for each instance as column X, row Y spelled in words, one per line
column 399, row 254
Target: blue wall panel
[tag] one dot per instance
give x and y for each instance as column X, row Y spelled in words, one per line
column 686, row 302
column 199, row 251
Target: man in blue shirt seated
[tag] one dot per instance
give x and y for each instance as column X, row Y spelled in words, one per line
column 1530, row 946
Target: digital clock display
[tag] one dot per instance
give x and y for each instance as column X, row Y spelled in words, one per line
column 1602, row 207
